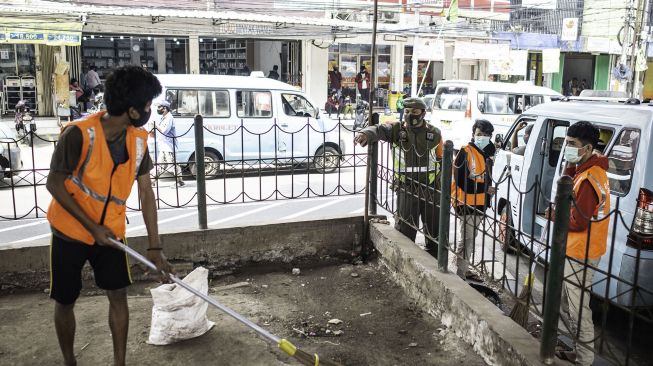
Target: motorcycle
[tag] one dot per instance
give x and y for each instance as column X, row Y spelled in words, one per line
column 24, row 118
column 361, row 117
column 98, row 103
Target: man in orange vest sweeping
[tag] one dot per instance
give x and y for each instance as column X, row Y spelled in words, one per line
column 470, row 187
column 91, row 176
column 588, row 224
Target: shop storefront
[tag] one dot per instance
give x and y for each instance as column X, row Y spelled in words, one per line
column 350, row 57
column 27, row 59
column 161, row 55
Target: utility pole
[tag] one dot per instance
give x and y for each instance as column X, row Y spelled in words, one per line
column 639, row 19
column 413, row 74
column 640, row 40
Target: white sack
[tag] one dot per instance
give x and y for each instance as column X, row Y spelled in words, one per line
column 177, row 314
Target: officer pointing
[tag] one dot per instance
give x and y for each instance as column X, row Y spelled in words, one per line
column 417, row 152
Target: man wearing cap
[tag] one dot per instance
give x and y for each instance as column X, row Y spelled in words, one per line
column 417, row 152
column 166, row 142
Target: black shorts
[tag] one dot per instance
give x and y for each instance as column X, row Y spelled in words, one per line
column 67, row 258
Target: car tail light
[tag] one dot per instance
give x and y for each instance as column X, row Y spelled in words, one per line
column 468, row 111
column 641, row 232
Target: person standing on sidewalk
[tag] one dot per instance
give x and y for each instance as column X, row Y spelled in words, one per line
column 470, row 187
column 417, row 153
column 166, row 142
column 91, row 176
column 588, row 224
column 363, row 83
column 335, row 81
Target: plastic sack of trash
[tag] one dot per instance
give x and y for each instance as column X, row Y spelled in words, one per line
column 177, row 314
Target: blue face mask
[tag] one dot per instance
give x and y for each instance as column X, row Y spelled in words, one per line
column 481, row 141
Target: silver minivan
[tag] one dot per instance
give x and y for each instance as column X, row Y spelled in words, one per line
column 249, row 121
column 627, row 141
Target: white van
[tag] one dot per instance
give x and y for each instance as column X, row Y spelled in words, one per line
column 249, row 120
column 626, row 139
column 456, row 104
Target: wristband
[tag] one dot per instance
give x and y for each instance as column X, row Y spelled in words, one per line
column 159, row 248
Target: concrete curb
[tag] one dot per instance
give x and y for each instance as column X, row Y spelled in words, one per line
column 494, row 336
column 227, row 247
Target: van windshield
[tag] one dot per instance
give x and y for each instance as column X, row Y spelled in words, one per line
column 451, row 98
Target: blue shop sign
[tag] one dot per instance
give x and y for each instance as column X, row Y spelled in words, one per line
column 68, row 38
column 25, row 36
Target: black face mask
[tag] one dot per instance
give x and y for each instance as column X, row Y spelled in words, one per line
column 143, row 119
column 160, row 111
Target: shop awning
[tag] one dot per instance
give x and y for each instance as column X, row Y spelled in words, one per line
column 40, row 31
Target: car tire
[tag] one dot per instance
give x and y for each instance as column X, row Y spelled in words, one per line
column 212, row 165
column 326, row 159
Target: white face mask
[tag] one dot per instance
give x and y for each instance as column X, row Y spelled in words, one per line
column 571, row 154
column 481, row 141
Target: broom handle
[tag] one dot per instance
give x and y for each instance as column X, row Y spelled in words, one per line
column 136, row 255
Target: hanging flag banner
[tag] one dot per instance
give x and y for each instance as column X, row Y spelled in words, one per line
column 514, row 64
column 569, row 29
column 40, row 31
column 430, row 49
column 480, row 51
column 551, row 60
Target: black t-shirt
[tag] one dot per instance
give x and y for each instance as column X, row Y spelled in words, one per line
column 69, row 149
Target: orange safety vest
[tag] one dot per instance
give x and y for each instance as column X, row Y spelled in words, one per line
column 95, row 185
column 476, row 167
column 598, row 229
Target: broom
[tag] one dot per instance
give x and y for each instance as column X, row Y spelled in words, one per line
column 519, row 312
column 303, row 357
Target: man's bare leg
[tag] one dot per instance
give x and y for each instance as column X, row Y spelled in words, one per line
column 119, row 324
column 64, row 323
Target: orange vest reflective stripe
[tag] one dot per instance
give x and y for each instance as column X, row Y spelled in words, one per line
column 92, row 184
column 598, row 229
column 476, row 167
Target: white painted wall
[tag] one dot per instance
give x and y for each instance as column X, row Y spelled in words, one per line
column 315, row 63
column 266, row 55
column 194, row 54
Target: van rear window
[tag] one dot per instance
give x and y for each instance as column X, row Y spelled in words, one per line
column 451, row 98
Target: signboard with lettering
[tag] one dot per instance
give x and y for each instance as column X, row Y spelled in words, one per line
column 480, row 51
column 40, row 31
column 514, row 64
column 430, row 49
column 551, row 60
column 569, row 29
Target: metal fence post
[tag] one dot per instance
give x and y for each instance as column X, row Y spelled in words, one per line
column 373, row 151
column 445, row 202
column 551, row 310
column 200, row 173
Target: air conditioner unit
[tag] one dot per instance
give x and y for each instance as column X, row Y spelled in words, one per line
column 389, row 17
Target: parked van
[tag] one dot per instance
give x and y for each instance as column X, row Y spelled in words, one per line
column 456, row 104
column 627, row 140
column 248, row 120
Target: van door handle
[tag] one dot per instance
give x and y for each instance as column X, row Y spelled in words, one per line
column 516, row 168
column 284, row 125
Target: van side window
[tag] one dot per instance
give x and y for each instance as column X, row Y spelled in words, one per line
column 451, row 98
column 214, row 103
column 297, row 106
column 254, row 104
column 621, row 161
column 497, row 103
column 187, row 102
column 519, row 135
